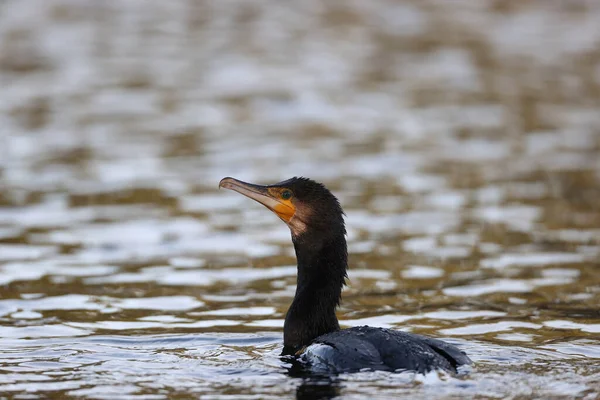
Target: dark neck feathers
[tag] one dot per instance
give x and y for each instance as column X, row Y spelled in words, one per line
column 322, row 264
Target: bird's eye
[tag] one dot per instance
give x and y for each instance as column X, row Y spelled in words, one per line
column 286, row 195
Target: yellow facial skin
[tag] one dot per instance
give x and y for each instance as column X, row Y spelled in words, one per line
column 286, row 208
column 275, row 199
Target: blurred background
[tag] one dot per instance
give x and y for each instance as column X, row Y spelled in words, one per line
column 462, row 138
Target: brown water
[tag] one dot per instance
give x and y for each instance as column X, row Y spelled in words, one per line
column 462, row 138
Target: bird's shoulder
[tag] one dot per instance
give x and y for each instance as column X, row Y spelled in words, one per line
column 382, row 349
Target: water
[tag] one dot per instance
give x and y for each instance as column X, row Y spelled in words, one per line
column 462, row 140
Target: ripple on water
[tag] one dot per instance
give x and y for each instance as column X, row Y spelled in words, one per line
column 518, row 217
column 203, row 277
column 531, row 260
column 33, row 270
column 505, row 286
column 64, row 302
column 422, row 272
column 558, row 324
column 239, row 311
column 478, row 329
column 145, row 324
column 428, row 246
column 13, row 252
column 583, row 348
column 471, row 194
column 166, row 303
column 41, row 331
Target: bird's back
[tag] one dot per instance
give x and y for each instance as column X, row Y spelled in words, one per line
column 371, row 348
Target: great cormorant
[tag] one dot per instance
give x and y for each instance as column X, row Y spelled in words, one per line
column 311, row 332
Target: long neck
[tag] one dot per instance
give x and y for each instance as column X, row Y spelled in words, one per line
column 321, row 274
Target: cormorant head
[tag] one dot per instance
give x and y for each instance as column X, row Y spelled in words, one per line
column 304, row 205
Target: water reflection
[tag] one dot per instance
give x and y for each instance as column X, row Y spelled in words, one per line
column 312, row 386
column 461, row 139
column 318, row 388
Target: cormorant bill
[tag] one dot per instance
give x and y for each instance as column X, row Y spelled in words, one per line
column 311, row 332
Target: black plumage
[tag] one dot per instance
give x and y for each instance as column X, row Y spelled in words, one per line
column 357, row 348
column 311, row 331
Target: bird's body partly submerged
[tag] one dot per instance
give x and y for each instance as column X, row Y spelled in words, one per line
column 379, row 349
column 311, row 331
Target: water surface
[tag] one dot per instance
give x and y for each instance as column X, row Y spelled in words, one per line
column 462, row 139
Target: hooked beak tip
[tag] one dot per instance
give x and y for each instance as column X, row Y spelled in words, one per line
column 262, row 195
column 225, row 183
